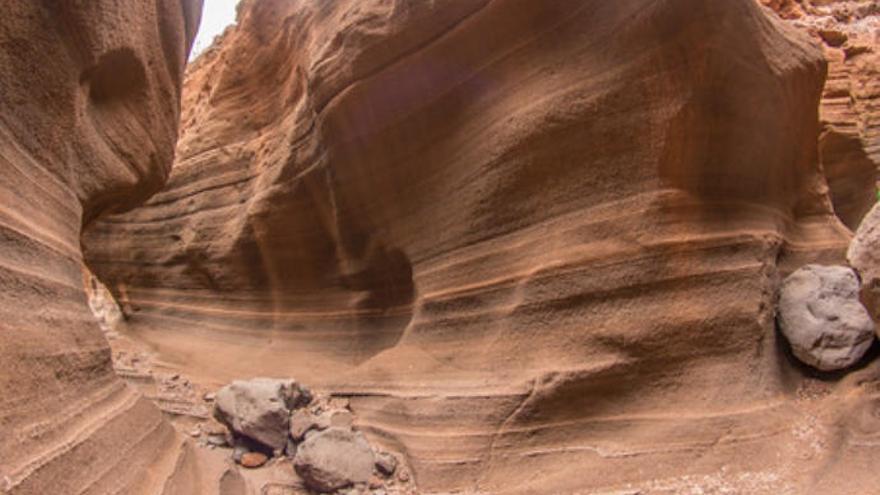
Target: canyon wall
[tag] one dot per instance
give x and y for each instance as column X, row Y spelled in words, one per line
column 537, row 243
column 89, row 93
column 849, row 144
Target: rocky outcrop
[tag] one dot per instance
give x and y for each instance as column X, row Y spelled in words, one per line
column 514, row 233
column 89, row 93
column 849, row 144
column 821, row 316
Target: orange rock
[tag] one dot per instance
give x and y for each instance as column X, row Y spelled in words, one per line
column 253, row 459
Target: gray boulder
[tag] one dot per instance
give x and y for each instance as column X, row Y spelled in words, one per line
column 333, row 459
column 259, row 409
column 821, row 316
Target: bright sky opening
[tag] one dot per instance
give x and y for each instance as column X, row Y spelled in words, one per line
column 216, row 15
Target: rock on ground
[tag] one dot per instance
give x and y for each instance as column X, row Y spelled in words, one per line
column 386, row 463
column 334, row 459
column 259, row 409
column 821, row 316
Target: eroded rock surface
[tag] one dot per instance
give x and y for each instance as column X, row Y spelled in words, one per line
column 514, row 233
column 89, row 107
column 849, row 144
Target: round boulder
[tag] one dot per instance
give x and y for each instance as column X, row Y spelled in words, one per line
column 822, row 318
column 334, row 458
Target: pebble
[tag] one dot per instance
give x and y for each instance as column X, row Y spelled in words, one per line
column 253, row 459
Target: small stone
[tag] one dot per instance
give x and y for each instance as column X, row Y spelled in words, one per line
column 403, row 476
column 833, row 37
column 386, row 463
column 253, row 459
column 333, row 459
column 209, row 397
column 822, row 318
column 195, row 433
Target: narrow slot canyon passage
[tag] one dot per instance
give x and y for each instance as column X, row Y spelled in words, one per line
column 383, row 247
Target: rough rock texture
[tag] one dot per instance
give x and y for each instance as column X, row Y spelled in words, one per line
column 303, row 421
column 821, row 316
column 333, row 459
column 89, row 106
column 258, row 409
column 849, row 144
column 514, row 233
column 864, row 255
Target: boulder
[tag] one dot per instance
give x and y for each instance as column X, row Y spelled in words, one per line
column 259, row 409
column 864, row 256
column 333, row 459
column 821, row 316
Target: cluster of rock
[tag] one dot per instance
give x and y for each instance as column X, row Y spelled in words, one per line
column 822, row 309
column 268, row 417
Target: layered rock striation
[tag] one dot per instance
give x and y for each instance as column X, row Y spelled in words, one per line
column 89, row 93
column 849, row 144
column 520, row 233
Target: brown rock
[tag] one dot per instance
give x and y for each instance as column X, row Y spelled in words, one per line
column 833, row 37
column 253, row 459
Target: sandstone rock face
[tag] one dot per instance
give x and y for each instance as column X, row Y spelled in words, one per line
column 864, row 255
column 514, row 233
column 258, row 409
column 89, row 93
column 333, row 459
column 821, row 316
column 849, row 144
